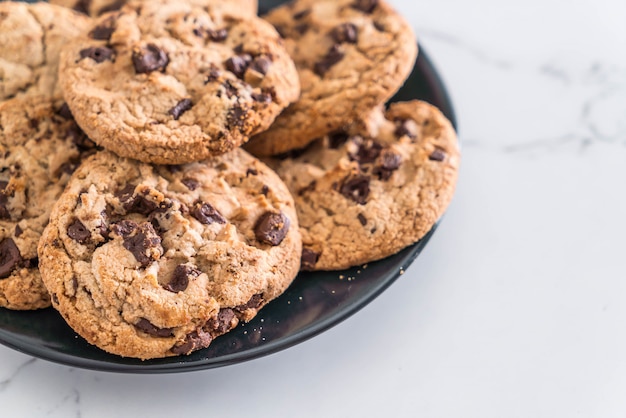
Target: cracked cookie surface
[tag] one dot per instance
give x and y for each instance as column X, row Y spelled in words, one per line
column 40, row 146
column 365, row 194
column 30, row 41
column 152, row 261
column 351, row 55
column 171, row 83
column 96, row 8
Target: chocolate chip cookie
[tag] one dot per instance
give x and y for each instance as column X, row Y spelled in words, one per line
column 40, row 146
column 151, row 261
column 31, row 37
column 170, row 83
column 365, row 194
column 96, row 8
column 352, row 55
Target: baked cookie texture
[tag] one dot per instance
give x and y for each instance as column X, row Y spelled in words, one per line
column 40, row 146
column 170, row 83
column 367, row 193
column 351, row 57
column 151, row 261
column 96, row 8
column 31, row 37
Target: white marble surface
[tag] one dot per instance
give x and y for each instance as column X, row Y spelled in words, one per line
column 516, row 308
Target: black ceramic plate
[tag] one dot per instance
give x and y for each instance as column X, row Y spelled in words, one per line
column 313, row 303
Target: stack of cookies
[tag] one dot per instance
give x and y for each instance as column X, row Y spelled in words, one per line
column 168, row 167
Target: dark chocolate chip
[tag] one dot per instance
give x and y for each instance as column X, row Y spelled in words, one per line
column 437, row 155
column 79, row 232
column 366, row 6
column 149, row 328
column 337, row 139
column 10, row 257
column 367, row 152
column 261, row 97
column 272, row 228
column 238, row 64
column 124, row 228
column 4, row 199
column 251, row 172
column 356, row 188
column 142, row 242
column 82, row 6
column 237, row 116
column 217, row 35
column 224, row 322
column 180, row 278
column 406, row 127
column 333, row 56
column 265, row 190
column 362, row 219
column 112, row 7
column 191, row 184
column 193, row 341
column 309, row 259
column 32, row 263
column 65, row 112
column 345, row 33
column 255, row 302
column 207, row 214
column 98, row 53
column 54, row 298
column 104, row 31
column 180, row 108
column 135, row 203
column 79, row 138
column 301, row 14
column 150, row 58
column 388, row 162
column 18, row 231
column 214, row 74
column 261, row 65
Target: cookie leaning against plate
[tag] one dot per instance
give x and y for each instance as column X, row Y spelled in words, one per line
column 152, row 261
column 364, row 195
column 170, row 83
column 97, row 7
column 352, row 55
column 31, row 36
column 40, row 146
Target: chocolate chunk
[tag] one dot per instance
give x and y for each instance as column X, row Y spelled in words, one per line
column 265, row 190
column 261, row 97
column 217, row 35
column 437, row 155
column 207, row 214
column 144, row 243
column 337, row 139
column 124, row 228
column 98, row 53
column 366, row 6
column 272, row 228
column 180, row 278
column 149, row 328
column 10, row 257
column 135, row 203
column 261, row 65
column 180, row 108
column 333, row 56
column 367, row 152
column 388, row 162
column 79, row 232
column 356, row 188
column 104, row 31
column 301, row 14
column 345, row 33
column 214, row 75
column 255, row 302
column 65, row 112
column 309, row 259
column 191, row 184
column 237, row 116
column 82, row 6
column 150, row 58
column 112, row 7
column 251, row 172
column 406, row 127
column 238, row 64
column 224, row 322
column 193, row 341
column 79, row 138
column 18, row 231
column 362, row 219
column 32, row 263
column 4, row 199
